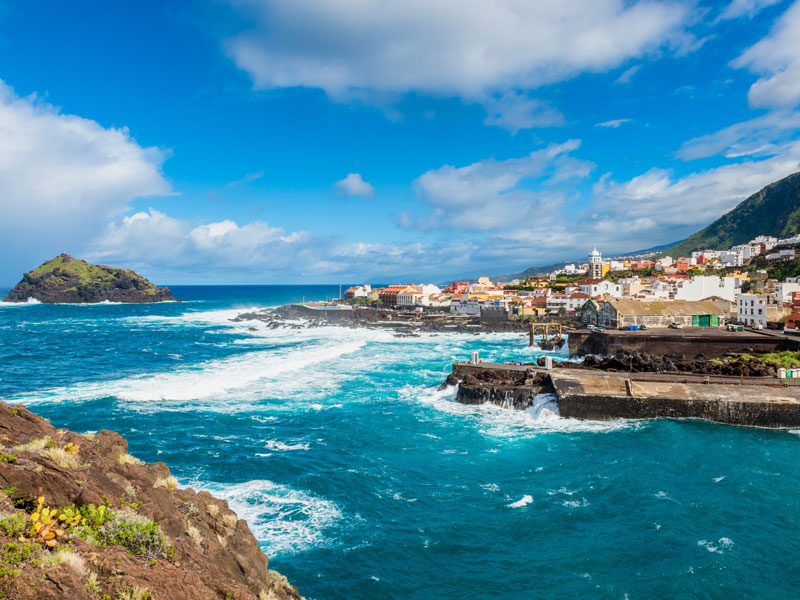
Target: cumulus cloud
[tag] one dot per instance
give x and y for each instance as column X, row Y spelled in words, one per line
column 515, row 110
column 63, row 177
column 474, row 49
column 776, row 58
column 492, row 194
column 354, row 185
column 767, row 135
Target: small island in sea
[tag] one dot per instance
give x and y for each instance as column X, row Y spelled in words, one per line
column 68, row 280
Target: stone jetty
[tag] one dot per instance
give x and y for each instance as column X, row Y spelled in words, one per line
column 583, row 394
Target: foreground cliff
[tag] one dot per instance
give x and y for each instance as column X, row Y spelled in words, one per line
column 80, row 518
column 65, row 279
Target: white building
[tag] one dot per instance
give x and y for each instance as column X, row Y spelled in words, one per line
column 595, row 264
column 705, row 286
column 751, row 309
column 783, row 291
column 600, row 287
column 768, row 241
column 731, row 258
column 466, row 307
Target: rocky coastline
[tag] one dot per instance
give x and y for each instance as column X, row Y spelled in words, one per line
column 405, row 324
column 80, row 518
column 68, row 280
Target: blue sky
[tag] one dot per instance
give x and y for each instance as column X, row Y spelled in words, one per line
column 265, row 141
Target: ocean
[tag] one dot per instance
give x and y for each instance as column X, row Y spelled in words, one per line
column 362, row 481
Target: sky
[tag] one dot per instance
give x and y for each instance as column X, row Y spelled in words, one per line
column 315, row 141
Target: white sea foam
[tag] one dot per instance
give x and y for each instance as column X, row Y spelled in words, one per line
column 286, row 520
column 718, row 547
column 219, row 379
column 28, row 302
column 495, row 421
column 277, row 446
column 524, row 501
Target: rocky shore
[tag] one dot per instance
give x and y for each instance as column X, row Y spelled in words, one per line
column 80, row 518
column 67, row 280
column 404, row 323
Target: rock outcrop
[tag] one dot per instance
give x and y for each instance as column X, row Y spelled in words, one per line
column 65, row 279
column 80, row 518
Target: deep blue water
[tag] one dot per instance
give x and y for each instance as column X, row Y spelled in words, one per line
column 361, row 481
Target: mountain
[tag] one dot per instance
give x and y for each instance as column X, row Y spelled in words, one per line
column 775, row 210
column 68, row 280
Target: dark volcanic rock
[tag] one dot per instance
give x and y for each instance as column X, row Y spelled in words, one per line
column 214, row 555
column 68, row 280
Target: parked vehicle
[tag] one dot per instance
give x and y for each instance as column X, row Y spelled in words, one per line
column 676, row 325
column 642, row 327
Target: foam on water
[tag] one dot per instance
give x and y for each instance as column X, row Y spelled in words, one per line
column 524, row 501
column 219, row 379
column 495, row 421
column 284, row 520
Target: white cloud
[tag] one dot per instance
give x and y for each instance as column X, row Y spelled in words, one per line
column 63, row 177
column 491, row 194
column 614, row 123
column 776, row 58
column 745, row 8
column 355, row 186
column 767, row 135
column 474, row 49
column 628, row 74
column 249, row 178
column 514, row 111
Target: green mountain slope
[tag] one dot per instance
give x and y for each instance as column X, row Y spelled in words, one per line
column 775, row 210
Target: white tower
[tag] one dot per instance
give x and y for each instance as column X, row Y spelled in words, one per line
column 595, row 265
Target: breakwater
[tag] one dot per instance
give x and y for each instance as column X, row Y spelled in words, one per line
column 747, row 401
column 683, row 343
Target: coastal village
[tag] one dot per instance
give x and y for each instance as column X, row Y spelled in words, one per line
column 754, row 284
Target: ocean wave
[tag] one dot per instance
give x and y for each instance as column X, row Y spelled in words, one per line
column 285, row 520
column 28, row 302
column 277, row 446
column 499, row 422
column 226, row 380
column 524, row 501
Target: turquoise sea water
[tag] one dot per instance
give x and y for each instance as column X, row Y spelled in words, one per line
column 361, row 481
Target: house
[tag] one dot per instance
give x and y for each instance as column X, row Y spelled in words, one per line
column 792, row 322
column 756, row 309
column 388, row 295
column 600, row 287
column 358, row 291
column 705, row 286
column 466, row 307
column 624, row 312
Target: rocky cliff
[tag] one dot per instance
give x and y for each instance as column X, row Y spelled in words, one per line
column 80, row 518
column 65, row 279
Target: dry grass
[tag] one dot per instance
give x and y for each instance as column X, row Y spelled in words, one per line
column 130, row 491
column 213, row 509
column 128, row 459
column 33, row 446
column 63, row 458
column 72, row 560
column 280, row 580
column 222, row 541
column 194, row 535
column 134, row 593
column 170, row 483
column 230, row 520
column 91, row 436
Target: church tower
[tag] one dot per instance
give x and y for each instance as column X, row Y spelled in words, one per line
column 595, row 265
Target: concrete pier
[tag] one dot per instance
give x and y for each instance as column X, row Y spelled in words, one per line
column 749, row 401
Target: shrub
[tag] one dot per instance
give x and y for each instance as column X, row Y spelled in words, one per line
column 13, row 525
column 137, row 534
column 170, row 483
column 92, row 583
column 213, row 509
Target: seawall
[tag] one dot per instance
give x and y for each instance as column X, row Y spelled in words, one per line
column 684, row 343
column 753, row 402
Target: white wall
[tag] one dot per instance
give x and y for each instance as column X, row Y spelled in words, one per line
column 705, row 286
